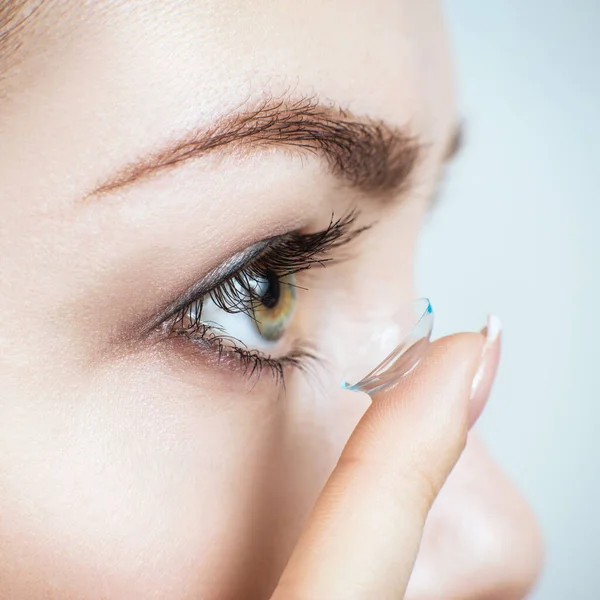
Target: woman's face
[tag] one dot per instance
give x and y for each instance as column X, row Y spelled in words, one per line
column 149, row 152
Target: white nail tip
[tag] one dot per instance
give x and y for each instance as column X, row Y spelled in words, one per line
column 494, row 327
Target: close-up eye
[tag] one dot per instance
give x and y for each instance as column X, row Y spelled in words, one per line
column 254, row 310
column 245, row 310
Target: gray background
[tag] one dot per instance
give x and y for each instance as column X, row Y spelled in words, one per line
column 517, row 233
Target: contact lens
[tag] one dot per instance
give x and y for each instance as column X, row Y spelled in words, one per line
column 395, row 344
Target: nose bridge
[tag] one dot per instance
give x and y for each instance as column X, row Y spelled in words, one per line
column 481, row 540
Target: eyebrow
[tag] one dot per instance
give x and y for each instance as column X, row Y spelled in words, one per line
column 367, row 154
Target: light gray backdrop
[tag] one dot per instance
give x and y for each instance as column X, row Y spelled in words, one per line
column 518, row 233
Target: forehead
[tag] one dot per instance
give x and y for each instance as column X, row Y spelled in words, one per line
column 372, row 53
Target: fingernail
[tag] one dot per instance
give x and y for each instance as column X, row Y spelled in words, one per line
column 488, row 366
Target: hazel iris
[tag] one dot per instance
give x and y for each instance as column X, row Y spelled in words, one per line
column 273, row 304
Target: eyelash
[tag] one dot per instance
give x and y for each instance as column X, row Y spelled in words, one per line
column 286, row 255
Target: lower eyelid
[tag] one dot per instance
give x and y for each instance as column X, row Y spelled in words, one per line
column 240, row 326
column 227, row 357
column 183, row 363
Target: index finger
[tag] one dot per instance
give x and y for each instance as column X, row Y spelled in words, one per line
column 363, row 535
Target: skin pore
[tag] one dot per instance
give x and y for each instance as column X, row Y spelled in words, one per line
column 142, row 145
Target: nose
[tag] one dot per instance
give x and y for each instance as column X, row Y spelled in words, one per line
column 481, row 540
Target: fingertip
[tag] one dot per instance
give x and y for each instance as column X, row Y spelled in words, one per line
column 464, row 346
column 449, row 359
column 428, row 409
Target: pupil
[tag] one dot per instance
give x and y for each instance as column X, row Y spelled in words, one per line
column 272, row 290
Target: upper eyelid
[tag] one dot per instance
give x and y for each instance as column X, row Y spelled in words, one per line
column 214, row 278
column 338, row 233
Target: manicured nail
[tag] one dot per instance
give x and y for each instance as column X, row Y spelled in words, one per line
column 488, row 366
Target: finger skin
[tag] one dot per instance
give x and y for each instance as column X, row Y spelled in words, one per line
column 363, row 535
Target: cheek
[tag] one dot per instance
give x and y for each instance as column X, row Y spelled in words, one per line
column 160, row 485
column 138, row 481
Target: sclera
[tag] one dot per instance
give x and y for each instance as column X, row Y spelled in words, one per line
column 395, row 345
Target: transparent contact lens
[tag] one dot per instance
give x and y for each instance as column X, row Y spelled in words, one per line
column 395, row 344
